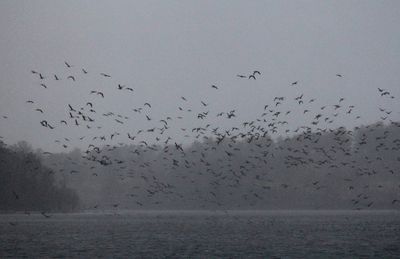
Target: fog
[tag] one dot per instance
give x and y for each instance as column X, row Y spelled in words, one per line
column 199, row 129
column 211, row 105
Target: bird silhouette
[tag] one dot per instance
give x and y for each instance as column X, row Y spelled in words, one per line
column 68, row 65
column 105, row 75
column 71, row 77
column 16, row 196
column 45, row 215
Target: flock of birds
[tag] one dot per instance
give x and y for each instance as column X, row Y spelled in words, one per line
column 272, row 120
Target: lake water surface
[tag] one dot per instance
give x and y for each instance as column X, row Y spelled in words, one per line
column 202, row 234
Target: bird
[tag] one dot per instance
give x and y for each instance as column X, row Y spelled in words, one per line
column 214, row 86
column 105, row 75
column 84, row 71
column 15, row 195
column 68, row 65
column 120, row 87
column 339, row 75
column 45, row 215
column 295, row 83
column 252, row 76
column 44, row 123
column 178, row 147
column 71, row 77
column 70, row 108
column 45, row 86
column 148, row 104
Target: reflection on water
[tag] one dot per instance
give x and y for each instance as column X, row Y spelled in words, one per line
column 191, row 234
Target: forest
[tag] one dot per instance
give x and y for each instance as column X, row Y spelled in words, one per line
column 27, row 185
column 329, row 169
column 326, row 169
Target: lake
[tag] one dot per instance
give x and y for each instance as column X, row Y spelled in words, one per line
column 202, row 234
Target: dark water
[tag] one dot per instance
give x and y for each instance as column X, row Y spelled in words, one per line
column 279, row 234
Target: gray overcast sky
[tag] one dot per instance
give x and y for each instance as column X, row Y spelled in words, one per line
column 168, row 49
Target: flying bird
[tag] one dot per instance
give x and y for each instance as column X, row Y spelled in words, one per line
column 45, row 215
column 44, row 123
column 71, row 109
column 68, row 65
column 105, row 75
column 15, row 195
column 71, row 77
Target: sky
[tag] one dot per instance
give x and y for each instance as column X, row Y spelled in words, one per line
column 165, row 50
